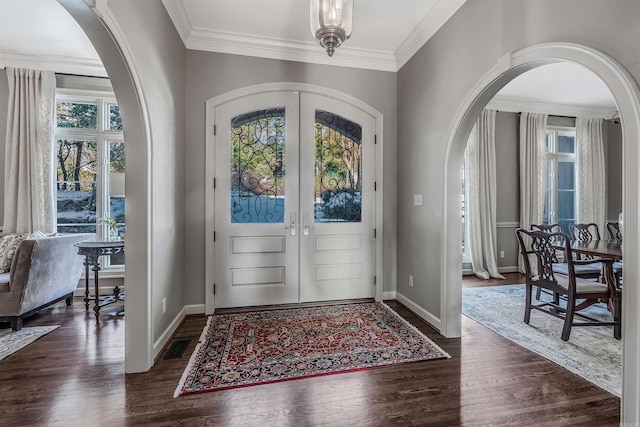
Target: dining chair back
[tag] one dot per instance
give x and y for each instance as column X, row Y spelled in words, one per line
column 613, row 228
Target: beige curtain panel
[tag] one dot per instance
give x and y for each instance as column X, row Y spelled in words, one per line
column 29, row 179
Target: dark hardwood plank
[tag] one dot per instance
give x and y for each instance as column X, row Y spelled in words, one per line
column 75, row 376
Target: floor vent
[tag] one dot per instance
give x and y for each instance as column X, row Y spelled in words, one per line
column 177, row 348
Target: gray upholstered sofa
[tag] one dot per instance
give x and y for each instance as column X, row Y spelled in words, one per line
column 43, row 272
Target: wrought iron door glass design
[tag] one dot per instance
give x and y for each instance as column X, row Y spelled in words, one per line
column 257, row 166
column 338, row 169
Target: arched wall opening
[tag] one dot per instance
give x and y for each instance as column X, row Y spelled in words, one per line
column 626, row 95
column 102, row 30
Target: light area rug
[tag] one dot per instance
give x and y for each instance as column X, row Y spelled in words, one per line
column 591, row 352
column 12, row 341
column 239, row 350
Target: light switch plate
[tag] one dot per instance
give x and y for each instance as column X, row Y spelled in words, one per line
column 417, row 200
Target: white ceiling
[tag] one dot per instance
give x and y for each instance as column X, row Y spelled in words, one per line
column 41, row 34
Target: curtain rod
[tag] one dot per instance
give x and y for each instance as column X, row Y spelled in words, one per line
column 73, row 75
column 548, row 115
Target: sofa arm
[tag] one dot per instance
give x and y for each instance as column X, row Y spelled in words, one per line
column 18, row 274
column 54, row 271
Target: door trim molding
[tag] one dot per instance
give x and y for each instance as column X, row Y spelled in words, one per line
column 214, row 102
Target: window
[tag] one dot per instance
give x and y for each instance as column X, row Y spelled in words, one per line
column 560, row 195
column 90, row 164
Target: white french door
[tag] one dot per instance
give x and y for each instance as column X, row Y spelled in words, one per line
column 294, row 200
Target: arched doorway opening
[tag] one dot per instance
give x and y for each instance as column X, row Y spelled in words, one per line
column 627, row 98
column 102, row 31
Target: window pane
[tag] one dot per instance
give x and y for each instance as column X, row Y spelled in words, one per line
column 566, row 176
column 115, row 121
column 338, row 169
column 257, row 166
column 76, row 204
column 76, row 185
column 566, row 143
column 117, row 186
column 77, row 115
column 566, row 204
column 564, row 223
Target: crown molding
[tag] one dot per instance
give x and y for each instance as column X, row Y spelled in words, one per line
column 520, row 105
column 58, row 64
column 288, row 50
column 430, row 24
column 272, row 48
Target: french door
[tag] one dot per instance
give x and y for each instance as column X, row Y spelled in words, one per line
column 294, row 200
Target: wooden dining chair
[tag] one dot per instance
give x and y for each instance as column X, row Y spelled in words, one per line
column 613, row 228
column 540, row 247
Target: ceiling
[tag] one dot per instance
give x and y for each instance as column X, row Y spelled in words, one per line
column 41, row 34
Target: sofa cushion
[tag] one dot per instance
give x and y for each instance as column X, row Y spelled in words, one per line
column 8, row 247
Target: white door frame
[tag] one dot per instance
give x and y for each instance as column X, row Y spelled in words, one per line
column 210, row 171
column 627, row 97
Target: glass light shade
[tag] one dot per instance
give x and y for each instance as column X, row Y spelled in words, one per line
column 331, row 22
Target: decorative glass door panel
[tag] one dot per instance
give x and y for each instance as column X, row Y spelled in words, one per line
column 257, row 167
column 338, row 169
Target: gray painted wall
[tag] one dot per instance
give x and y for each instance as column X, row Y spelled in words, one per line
column 434, row 83
column 507, row 186
column 159, row 56
column 613, row 152
column 212, row 74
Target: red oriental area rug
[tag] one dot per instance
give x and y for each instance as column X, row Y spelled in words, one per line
column 238, row 350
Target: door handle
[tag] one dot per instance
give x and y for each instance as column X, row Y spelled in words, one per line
column 305, row 223
column 292, row 224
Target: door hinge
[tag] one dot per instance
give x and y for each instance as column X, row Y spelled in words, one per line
column 375, row 233
column 374, row 280
column 375, row 185
column 214, row 288
column 214, row 130
column 375, row 139
column 214, row 236
column 214, row 183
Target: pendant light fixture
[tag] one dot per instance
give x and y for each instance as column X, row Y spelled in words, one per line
column 331, row 22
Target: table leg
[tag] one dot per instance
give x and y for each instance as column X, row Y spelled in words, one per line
column 87, row 262
column 96, row 269
column 614, row 304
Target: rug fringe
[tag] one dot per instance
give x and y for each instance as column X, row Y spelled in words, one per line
column 413, row 328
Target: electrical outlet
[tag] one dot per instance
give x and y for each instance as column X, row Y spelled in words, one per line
column 164, row 305
column 411, row 280
column 501, row 254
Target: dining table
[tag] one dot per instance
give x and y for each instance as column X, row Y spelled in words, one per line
column 605, row 249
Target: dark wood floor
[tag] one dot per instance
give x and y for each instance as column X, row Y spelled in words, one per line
column 75, row 376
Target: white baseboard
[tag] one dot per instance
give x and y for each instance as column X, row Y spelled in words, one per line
column 389, row 295
column 175, row 324
column 168, row 333
column 421, row 312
